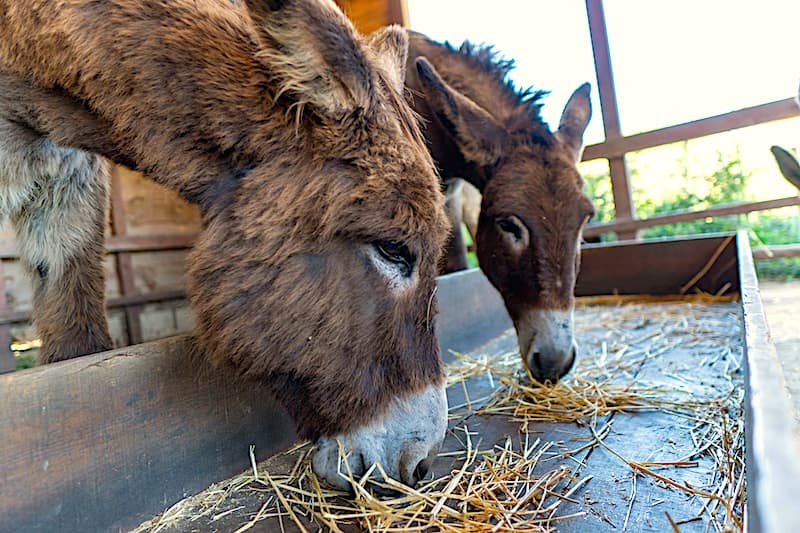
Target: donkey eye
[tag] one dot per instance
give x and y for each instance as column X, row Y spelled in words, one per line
column 510, row 227
column 396, row 253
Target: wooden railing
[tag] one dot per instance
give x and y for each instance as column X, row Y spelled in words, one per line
column 616, row 145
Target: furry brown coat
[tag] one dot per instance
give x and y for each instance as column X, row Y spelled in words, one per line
column 323, row 220
column 483, row 129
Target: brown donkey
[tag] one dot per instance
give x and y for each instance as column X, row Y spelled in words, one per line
column 479, row 127
column 323, row 220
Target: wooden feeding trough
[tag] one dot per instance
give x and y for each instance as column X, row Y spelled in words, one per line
column 645, row 435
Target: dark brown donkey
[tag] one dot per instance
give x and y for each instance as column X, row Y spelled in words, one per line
column 323, row 219
column 479, row 127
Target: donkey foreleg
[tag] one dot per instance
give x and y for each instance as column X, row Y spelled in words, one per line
column 455, row 253
column 59, row 215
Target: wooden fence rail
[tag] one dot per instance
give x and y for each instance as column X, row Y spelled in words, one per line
column 616, row 145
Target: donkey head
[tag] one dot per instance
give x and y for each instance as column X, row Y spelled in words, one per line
column 532, row 213
column 788, row 165
column 316, row 272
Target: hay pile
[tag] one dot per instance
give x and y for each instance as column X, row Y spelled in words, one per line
column 522, row 482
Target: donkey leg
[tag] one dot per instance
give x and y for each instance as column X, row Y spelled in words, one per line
column 60, row 230
column 455, row 253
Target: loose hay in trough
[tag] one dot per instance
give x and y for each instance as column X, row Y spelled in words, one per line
column 530, row 479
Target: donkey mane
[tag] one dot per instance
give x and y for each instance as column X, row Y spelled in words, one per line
column 528, row 100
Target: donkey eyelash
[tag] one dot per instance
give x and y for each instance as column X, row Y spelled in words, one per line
column 397, row 253
column 510, row 227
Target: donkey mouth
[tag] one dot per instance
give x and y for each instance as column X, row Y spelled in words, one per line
column 549, row 368
column 403, row 442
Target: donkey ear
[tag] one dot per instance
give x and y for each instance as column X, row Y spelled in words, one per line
column 391, row 46
column 789, row 166
column 479, row 136
column 574, row 120
column 314, row 52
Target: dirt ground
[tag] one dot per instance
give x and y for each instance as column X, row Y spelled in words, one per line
column 782, row 306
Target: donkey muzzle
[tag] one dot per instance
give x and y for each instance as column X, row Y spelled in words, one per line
column 404, row 442
column 547, row 344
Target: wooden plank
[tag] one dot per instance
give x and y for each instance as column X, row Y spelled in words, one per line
column 149, row 244
column 602, row 63
column 593, row 230
column 471, row 311
column 370, row 15
column 115, row 244
column 618, row 171
column 773, row 449
column 103, row 441
column 7, row 361
column 776, row 251
column 111, row 303
column 127, row 284
column 623, row 196
column 655, row 436
column 397, row 12
column 658, row 266
column 741, row 118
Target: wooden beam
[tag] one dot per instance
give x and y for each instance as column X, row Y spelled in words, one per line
column 127, row 285
column 623, row 195
column 104, row 441
column 618, row 171
column 118, row 244
column 771, row 431
column 685, row 216
column 749, row 116
column 397, row 11
column 149, row 244
column 778, row 251
column 111, row 303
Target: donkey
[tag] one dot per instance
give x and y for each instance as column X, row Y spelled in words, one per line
column 323, row 220
column 481, row 128
column 787, row 164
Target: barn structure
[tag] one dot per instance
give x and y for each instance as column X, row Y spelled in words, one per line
column 154, row 457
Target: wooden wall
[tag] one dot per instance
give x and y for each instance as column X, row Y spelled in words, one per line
column 148, row 234
column 143, row 216
column 369, row 15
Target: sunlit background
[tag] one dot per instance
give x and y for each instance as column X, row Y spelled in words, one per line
column 673, row 62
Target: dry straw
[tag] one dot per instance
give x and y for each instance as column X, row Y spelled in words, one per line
column 523, row 486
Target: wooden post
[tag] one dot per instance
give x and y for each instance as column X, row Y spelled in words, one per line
column 370, row 15
column 620, row 179
column 7, row 361
column 127, row 287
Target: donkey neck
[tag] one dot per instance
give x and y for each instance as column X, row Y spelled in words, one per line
column 481, row 76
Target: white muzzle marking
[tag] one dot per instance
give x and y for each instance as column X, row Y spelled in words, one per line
column 404, row 442
column 547, row 342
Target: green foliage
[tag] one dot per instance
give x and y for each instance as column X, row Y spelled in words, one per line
column 472, row 259
column 726, row 184
column 27, row 360
column 598, row 187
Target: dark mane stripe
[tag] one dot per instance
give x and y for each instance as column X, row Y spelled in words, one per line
column 486, row 58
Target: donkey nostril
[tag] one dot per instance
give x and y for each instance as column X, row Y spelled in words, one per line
column 421, row 470
column 537, row 359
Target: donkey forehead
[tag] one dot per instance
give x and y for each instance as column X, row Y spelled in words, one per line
column 539, row 187
column 401, row 207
